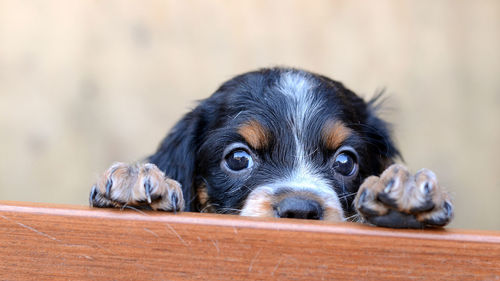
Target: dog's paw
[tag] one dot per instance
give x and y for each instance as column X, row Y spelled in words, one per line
column 142, row 185
column 398, row 199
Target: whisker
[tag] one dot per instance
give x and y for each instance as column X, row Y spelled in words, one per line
column 228, row 210
column 132, row 208
column 353, row 218
column 344, row 196
column 205, row 208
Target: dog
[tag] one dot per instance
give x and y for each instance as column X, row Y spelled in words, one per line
column 286, row 143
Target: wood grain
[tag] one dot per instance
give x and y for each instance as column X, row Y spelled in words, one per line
column 42, row 242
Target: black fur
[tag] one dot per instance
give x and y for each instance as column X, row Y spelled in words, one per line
column 192, row 152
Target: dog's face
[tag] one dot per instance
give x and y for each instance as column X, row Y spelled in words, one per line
column 282, row 143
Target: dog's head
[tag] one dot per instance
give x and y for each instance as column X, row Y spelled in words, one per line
column 277, row 142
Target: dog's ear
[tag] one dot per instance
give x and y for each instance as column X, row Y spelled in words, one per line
column 176, row 155
column 378, row 134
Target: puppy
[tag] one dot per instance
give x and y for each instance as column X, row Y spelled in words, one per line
column 281, row 143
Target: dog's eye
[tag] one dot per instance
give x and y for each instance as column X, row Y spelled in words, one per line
column 346, row 162
column 238, row 160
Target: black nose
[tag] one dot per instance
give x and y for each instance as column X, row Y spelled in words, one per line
column 299, row 208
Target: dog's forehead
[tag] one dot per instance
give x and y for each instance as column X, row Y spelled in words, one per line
column 291, row 100
column 302, row 103
column 296, row 85
column 281, row 95
column 294, row 107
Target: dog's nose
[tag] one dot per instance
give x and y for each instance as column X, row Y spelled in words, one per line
column 299, row 208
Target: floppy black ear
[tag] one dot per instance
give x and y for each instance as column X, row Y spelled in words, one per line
column 176, row 155
column 381, row 145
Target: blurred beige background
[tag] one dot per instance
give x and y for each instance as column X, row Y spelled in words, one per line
column 85, row 83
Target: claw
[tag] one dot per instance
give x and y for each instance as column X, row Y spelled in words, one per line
column 362, row 197
column 147, row 187
column 174, row 202
column 449, row 209
column 426, row 188
column 389, row 186
column 93, row 193
column 109, row 184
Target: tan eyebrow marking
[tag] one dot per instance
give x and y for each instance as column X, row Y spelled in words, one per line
column 204, row 199
column 334, row 134
column 254, row 134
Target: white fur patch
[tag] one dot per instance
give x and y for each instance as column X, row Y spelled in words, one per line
column 298, row 86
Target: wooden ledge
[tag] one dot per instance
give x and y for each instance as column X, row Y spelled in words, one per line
column 43, row 241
